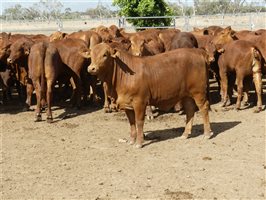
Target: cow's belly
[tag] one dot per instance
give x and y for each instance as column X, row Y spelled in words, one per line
column 165, row 105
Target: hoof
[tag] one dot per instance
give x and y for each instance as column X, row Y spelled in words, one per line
column 237, row 108
column 107, row 110
column 150, row 117
column 222, row 104
column 246, row 104
column 38, row 118
column 258, row 109
column 25, row 109
column 207, row 136
column 49, row 119
column 183, row 137
column 131, row 141
column 138, row 146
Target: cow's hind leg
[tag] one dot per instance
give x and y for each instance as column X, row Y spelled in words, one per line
column 37, row 85
column 239, row 91
column 258, row 86
column 49, row 96
column 203, row 106
column 189, row 107
column 133, row 132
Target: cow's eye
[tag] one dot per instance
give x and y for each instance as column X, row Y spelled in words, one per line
column 105, row 55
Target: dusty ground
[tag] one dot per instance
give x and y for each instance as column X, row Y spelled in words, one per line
column 79, row 156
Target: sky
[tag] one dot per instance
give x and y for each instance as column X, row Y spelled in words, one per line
column 75, row 5
column 79, row 5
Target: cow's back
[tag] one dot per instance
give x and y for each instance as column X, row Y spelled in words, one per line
column 173, row 75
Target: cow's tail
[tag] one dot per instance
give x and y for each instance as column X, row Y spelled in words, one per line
column 256, row 69
column 43, row 81
column 256, row 60
column 207, row 71
column 208, row 84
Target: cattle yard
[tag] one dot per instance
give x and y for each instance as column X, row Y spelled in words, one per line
column 79, row 156
column 84, row 154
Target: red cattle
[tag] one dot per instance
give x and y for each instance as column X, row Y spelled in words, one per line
column 241, row 57
column 139, row 81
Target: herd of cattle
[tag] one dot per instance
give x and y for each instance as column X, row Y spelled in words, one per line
column 162, row 68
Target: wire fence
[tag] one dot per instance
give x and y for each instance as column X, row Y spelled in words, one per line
column 247, row 21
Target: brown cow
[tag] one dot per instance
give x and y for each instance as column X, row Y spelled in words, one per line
column 65, row 57
column 241, row 57
column 19, row 52
column 58, row 35
column 139, row 81
column 142, row 46
column 90, row 37
column 36, row 74
column 166, row 36
column 211, row 30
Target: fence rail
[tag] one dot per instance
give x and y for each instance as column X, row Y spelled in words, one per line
column 248, row 21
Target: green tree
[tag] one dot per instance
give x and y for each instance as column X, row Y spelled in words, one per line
column 145, row 8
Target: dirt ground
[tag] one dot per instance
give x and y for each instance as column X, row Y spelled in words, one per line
column 79, row 156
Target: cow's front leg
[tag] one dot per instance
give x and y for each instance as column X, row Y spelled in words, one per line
column 140, row 116
column 133, row 132
column 106, row 106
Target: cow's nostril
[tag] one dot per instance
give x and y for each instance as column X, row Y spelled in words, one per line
column 9, row 60
column 93, row 69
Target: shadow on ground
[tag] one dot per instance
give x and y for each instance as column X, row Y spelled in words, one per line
column 168, row 134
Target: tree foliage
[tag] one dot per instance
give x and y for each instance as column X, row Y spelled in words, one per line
column 204, row 7
column 145, row 8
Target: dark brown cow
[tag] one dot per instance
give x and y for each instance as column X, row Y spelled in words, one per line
column 241, row 57
column 184, row 40
column 139, row 81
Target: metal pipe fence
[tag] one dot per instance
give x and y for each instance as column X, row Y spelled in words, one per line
column 248, row 21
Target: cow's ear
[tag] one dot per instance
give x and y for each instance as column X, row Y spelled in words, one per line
column 228, row 28
column 221, row 50
column 27, row 51
column 196, row 29
column 114, row 53
column 64, row 35
column 86, row 53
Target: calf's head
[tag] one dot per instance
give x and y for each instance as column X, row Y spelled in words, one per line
column 102, row 56
column 138, row 45
column 222, row 38
column 18, row 49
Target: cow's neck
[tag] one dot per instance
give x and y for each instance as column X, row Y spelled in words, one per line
column 120, row 70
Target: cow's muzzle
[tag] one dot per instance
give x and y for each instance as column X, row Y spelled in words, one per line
column 92, row 69
column 9, row 60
